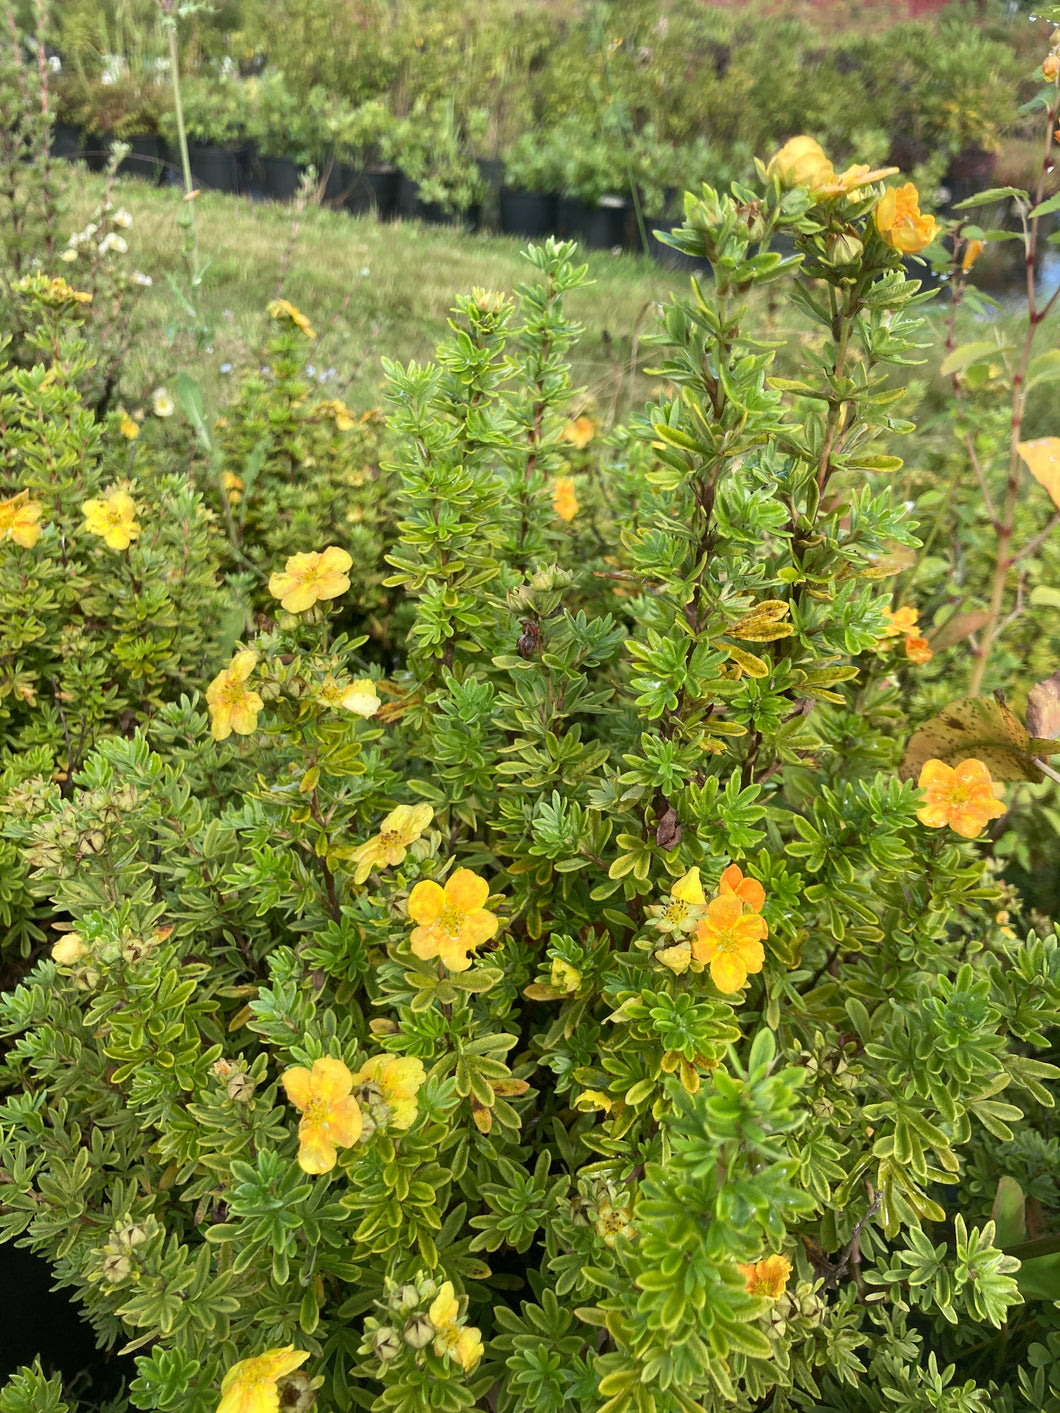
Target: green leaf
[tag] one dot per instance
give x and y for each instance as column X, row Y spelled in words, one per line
column 969, row 353
column 989, row 198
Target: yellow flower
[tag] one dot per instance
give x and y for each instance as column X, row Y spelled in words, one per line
column 331, row 1117
column 612, row 1222
column 284, row 309
column 128, row 427
column 564, row 500
column 580, row 432
column 68, row 949
column 452, row 921
column 161, row 403
column 234, row 486
column 962, row 798
column 900, row 223
column 917, row 650
column 18, row 520
column 359, row 696
column 1050, row 67
column 232, row 707
column 402, row 827
column 684, row 907
column 250, row 1385
column 469, row 1347
column 677, row 958
column 397, row 1079
column 900, row 622
column 337, row 409
column 841, row 184
column 113, row 518
column 730, row 941
column 309, row 578
column 53, row 291
column 972, row 252
column 564, row 976
column 800, row 162
column 768, row 1277
column 452, row 1340
column 593, row 1099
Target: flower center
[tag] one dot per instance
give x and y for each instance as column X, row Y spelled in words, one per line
column 233, row 692
column 676, row 910
column 389, row 837
column 451, row 920
column 316, row 1113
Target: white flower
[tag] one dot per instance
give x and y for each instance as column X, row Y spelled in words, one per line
column 69, row 255
column 139, row 278
column 55, row 63
column 162, row 403
column 114, row 242
column 122, row 218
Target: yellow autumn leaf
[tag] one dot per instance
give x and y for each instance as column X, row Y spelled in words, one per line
column 1042, row 459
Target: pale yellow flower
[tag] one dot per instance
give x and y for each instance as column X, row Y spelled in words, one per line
column 310, row 578
column 19, row 519
column 251, row 1385
column 113, row 518
column 452, row 920
column 232, row 706
column 398, row 1079
column 402, row 827
column 331, row 1117
column 162, row 404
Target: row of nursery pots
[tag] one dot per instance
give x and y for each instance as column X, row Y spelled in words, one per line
column 383, row 190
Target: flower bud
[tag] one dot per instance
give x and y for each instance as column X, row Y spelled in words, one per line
column 386, row 1343
column 845, row 249
column 117, row 1268
column 418, row 1331
column 404, row 1299
column 135, row 1234
column 240, row 1088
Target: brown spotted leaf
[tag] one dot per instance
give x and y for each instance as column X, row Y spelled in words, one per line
column 979, row 728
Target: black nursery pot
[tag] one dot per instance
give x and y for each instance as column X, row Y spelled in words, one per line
column 147, row 160
column 66, row 142
column 599, row 227
column 95, row 151
column 282, row 177
column 413, row 208
column 216, row 168
column 371, row 189
column 528, row 213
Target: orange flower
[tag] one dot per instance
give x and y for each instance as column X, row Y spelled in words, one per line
column 18, row 520
column 972, row 252
column 331, row 1117
column 309, row 578
column 748, row 890
column 1050, row 67
column 580, row 432
column 564, row 500
column 963, row 798
column 730, row 940
column 768, row 1277
column 284, row 309
column 452, row 920
column 900, row 223
column 900, row 621
column 917, row 650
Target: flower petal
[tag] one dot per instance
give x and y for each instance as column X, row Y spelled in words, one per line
column 331, row 1080
column 689, row 889
column 466, row 890
column 426, row 901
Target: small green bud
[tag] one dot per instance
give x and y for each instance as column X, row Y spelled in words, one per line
column 418, row 1331
column 386, row 1343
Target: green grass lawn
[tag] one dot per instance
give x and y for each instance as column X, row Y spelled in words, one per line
column 370, row 290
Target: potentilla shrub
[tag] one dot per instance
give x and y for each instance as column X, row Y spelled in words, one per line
column 110, row 602
column 601, row 1010
column 294, row 466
